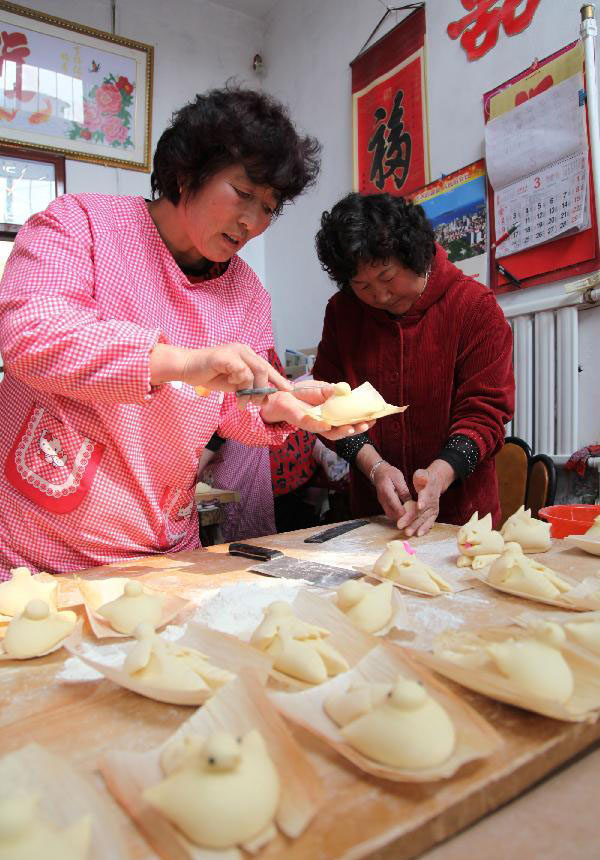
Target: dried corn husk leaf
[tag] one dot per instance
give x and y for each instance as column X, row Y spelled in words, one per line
column 69, row 594
column 475, row 737
column 351, row 643
column 577, row 601
column 221, row 649
column 587, row 544
column 238, row 707
column 583, row 704
column 97, row 592
column 585, row 595
column 65, row 796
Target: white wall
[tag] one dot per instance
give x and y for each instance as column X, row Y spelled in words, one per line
column 307, row 50
column 197, row 45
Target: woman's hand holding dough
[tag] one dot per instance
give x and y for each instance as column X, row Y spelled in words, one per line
column 291, row 407
column 429, row 484
column 392, row 490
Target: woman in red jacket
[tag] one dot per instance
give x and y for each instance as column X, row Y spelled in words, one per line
column 424, row 334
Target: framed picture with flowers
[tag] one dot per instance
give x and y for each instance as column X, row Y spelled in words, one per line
column 72, row 90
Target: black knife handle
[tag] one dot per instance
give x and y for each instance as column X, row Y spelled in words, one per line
column 256, row 553
column 321, row 537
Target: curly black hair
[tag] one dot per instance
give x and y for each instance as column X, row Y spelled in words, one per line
column 367, row 227
column 231, row 126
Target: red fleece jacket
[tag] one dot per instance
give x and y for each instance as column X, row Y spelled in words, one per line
column 450, row 359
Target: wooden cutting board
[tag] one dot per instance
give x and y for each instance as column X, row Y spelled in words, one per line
column 47, row 701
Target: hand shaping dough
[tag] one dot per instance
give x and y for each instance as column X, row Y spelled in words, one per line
column 532, row 535
column 586, row 633
column 515, row 571
column 24, row 835
column 15, row 593
column 36, row 631
column 410, row 507
column 369, row 607
column 134, row 607
column 594, row 530
column 399, row 563
column 157, row 662
column 478, row 543
column 536, row 666
column 299, row 649
column 400, row 725
column 221, row 792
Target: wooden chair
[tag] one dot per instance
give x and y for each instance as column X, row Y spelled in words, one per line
column 512, row 462
column 541, row 484
column 523, row 479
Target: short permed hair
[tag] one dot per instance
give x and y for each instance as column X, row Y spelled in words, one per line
column 368, row 227
column 230, row 126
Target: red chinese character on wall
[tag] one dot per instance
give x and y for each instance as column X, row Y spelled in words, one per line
column 14, row 49
column 480, row 28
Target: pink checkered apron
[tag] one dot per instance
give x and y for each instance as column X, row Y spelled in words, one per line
column 96, row 464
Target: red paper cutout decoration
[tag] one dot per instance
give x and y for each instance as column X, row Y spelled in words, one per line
column 480, row 28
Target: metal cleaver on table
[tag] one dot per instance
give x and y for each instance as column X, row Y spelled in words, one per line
column 273, row 562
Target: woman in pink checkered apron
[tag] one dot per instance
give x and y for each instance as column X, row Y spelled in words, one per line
column 113, row 310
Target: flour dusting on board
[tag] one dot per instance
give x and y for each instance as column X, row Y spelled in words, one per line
column 238, row 608
column 429, row 617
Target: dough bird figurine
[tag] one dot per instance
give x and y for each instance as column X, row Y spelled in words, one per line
column 298, row 648
column 219, row 792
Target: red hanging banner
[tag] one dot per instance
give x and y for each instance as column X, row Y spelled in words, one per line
column 389, row 111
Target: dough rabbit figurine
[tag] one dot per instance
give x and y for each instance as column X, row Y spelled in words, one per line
column 478, row 543
column 133, row 607
column 36, row 631
column 220, row 792
column 513, row 570
column 532, row 535
column 399, row 563
column 25, row 835
column 298, row 648
column 15, row 593
column 369, row 607
column 399, row 725
column 156, row 662
column 536, row 665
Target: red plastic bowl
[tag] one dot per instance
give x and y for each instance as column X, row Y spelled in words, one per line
column 570, row 519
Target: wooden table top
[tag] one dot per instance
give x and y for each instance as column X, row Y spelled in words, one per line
column 366, row 817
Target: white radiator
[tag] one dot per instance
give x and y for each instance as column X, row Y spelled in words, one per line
column 546, row 359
